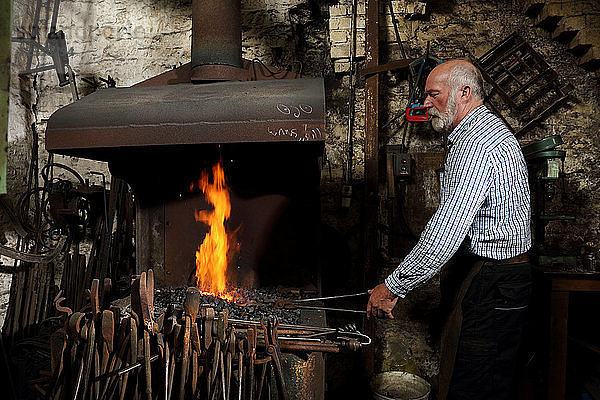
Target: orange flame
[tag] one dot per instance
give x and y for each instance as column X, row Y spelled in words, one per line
column 211, row 256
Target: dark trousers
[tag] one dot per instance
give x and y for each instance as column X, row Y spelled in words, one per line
column 493, row 314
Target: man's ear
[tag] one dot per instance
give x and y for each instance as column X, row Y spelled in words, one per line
column 465, row 92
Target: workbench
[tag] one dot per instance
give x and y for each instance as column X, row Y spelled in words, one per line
column 557, row 286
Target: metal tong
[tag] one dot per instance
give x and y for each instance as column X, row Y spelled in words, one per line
column 295, row 304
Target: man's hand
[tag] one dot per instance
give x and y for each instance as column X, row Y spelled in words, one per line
column 382, row 302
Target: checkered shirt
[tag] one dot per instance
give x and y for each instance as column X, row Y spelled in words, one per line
column 484, row 198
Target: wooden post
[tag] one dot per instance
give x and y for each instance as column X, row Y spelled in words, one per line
column 371, row 141
column 371, row 149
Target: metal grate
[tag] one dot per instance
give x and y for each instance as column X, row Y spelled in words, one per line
column 522, row 80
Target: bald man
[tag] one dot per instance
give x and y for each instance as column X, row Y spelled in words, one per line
column 485, row 207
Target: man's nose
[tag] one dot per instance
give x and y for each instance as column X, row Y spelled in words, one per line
column 427, row 102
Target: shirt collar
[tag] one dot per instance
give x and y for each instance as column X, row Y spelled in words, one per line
column 464, row 125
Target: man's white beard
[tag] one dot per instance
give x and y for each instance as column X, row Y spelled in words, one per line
column 442, row 122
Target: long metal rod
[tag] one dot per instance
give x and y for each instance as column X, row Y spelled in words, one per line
column 54, row 16
column 34, row 33
column 281, row 326
column 341, row 296
column 332, row 309
column 396, row 32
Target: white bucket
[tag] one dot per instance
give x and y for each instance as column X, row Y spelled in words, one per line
column 398, row 385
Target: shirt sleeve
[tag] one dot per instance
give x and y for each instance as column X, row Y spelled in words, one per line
column 469, row 176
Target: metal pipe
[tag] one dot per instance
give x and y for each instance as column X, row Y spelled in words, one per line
column 216, row 40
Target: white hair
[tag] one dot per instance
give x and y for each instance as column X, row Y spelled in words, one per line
column 466, row 75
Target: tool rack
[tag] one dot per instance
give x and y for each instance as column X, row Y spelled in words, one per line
column 522, row 80
column 198, row 353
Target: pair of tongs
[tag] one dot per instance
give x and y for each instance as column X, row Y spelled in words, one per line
column 295, row 304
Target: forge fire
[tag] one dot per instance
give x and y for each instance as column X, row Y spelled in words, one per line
column 214, row 252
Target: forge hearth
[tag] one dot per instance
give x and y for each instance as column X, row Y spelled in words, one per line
column 268, row 136
column 162, row 133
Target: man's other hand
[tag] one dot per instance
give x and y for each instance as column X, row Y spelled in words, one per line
column 382, row 302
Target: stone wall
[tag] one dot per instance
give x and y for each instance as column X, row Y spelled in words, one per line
column 467, row 29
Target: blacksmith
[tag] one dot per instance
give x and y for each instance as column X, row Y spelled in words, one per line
column 485, row 206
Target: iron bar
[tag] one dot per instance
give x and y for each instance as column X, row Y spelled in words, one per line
column 341, row 296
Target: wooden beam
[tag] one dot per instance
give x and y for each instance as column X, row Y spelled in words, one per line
column 392, row 65
column 371, row 148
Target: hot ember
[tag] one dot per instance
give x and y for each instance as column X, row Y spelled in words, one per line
column 211, row 256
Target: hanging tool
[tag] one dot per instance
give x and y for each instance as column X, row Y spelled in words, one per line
column 147, row 302
column 415, row 110
column 190, row 307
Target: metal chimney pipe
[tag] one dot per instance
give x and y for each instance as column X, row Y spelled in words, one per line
column 216, row 40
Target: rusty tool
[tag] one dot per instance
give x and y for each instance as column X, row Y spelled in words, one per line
column 95, row 383
column 58, row 304
column 195, row 339
column 116, row 316
column 190, row 307
column 74, row 329
column 230, row 352
column 169, row 323
column 108, row 334
column 176, row 334
column 194, row 371
column 133, row 367
column 267, row 359
column 116, row 359
column 167, row 357
column 106, row 290
column 88, row 333
column 240, row 344
column 95, row 306
column 272, row 351
column 67, row 363
column 251, row 336
column 265, row 363
column 58, row 365
column 58, row 348
column 132, row 354
column 214, row 371
column 275, row 353
column 146, row 293
column 94, row 297
column 222, row 373
column 208, row 316
column 222, row 324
